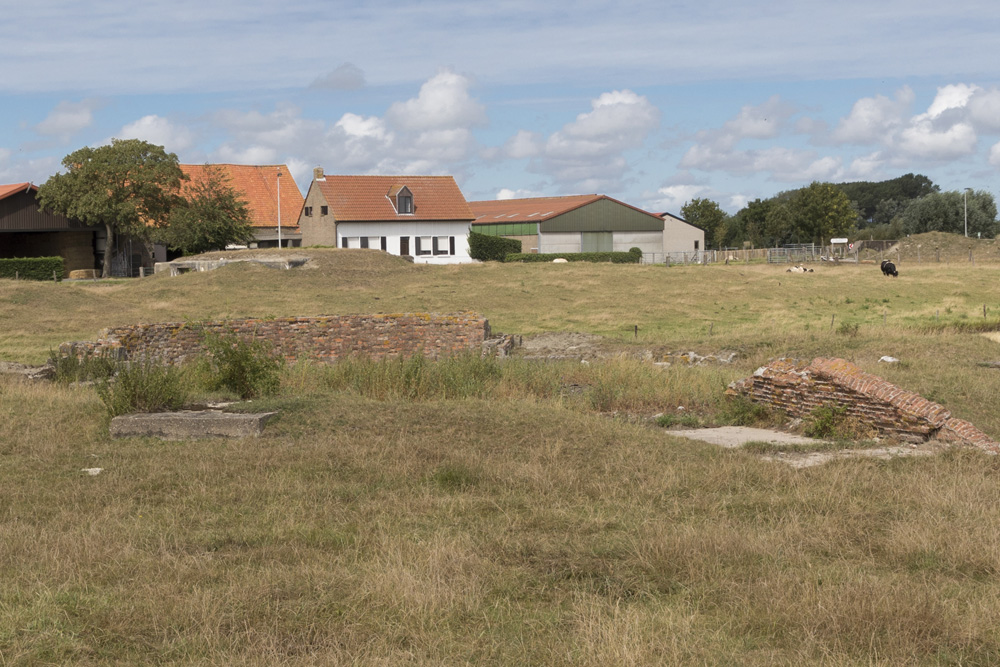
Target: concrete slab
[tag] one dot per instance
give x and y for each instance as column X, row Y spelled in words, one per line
column 737, row 436
column 189, row 424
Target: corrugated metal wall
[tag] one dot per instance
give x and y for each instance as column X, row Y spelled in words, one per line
column 603, row 216
column 20, row 213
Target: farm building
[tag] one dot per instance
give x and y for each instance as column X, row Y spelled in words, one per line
column 26, row 231
column 425, row 218
column 579, row 223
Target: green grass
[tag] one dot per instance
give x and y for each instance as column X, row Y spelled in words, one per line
column 473, row 512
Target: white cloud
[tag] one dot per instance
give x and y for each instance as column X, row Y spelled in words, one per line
column 995, row 155
column 984, row 110
column 67, row 119
column 443, row 103
column 672, row 198
column 873, row 118
column 519, row 193
column 953, row 96
column 346, row 77
column 524, row 144
column 923, row 140
column 160, row 131
column 587, row 154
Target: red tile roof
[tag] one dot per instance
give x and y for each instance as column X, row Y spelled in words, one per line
column 258, row 186
column 366, row 198
column 14, row 188
column 533, row 209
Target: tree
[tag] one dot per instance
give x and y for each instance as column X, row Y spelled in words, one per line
column 945, row 212
column 706, row 214
column 823, row 211
column 210, row 216
column 129, row 187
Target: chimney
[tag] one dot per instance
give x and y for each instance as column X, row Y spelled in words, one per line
column 318, row 174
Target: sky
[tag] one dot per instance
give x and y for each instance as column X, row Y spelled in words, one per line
column 652, row 102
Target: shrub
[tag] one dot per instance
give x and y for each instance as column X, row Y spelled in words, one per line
column 32, row 268
column 741, row 411
column 248, row 369
column 142, row 386
column 70, row 368
column 613, row 257
column 488, row 248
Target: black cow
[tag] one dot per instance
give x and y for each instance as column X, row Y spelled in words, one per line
column 889, row 269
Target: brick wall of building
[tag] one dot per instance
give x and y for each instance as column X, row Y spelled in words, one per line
column 323, row 338
column 799, row 388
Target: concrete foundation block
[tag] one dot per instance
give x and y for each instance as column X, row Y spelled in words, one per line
column 189, row 424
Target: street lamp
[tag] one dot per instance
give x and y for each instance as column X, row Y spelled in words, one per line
column 279, row 208
column 966, row 193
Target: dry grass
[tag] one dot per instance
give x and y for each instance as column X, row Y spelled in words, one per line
column 508, row 522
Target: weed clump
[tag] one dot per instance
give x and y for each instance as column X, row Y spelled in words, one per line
column 248, row 369
column 142, row 386
column 90, row 367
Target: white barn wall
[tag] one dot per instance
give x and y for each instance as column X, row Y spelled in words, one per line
column 648, row 242
column 555, row 242
column 679, row 236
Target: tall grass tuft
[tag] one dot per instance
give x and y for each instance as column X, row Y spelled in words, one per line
column 143, row 386
column 70, row 368
column 249, row 369
column 416, row 378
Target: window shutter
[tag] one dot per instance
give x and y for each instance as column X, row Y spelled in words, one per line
column 451, row 244
column 434, row 244
column 343, row 242
column 416, row 245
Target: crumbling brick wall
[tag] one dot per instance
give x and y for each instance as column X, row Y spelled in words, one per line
column 325, row 338
column 798, row 388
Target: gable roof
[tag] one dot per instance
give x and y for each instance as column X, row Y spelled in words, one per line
column 258, row 187
column 14, row 188
column 537, row 209
column 367, row 198
column 533, row 209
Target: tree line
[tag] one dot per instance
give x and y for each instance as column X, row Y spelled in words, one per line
column 134, row 188
column 910, row 204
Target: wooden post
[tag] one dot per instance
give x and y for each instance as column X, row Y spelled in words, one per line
column 637, row 331
column 711, row 325
column 832, row 318
column 55, row 281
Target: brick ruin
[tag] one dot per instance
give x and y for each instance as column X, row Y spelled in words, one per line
column 798, row 388
column 325, row 338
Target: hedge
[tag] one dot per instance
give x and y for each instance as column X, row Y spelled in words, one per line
column 491, row 248
column 630, row 257
column 32, row 268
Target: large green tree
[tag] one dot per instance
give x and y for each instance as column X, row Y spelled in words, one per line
column 211, row 216
column 708, row 215
column 129, row 187
column 823, row 211
column 946, row 212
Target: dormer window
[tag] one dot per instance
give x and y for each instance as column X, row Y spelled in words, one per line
column 405, row 203
column 402, row 199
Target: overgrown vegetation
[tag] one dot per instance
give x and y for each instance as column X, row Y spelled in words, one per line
column 482, row 511
column 248, row 368
column 142, row 386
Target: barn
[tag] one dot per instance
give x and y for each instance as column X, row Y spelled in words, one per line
column 575, row 223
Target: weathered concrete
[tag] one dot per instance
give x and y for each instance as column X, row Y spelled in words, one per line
column 190, row 424
column 44, row 372
column 179, row 266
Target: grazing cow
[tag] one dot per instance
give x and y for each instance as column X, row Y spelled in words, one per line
column 889, row 269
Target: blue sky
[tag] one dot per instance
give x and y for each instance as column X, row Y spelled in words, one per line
column 654, row 103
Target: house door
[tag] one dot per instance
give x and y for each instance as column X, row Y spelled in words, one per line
column 404, row 246
column 596, row 242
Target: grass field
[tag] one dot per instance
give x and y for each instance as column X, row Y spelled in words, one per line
column 512, row 522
